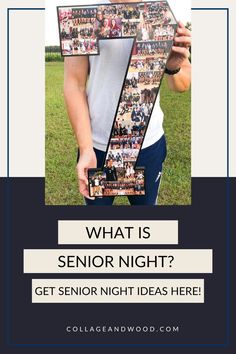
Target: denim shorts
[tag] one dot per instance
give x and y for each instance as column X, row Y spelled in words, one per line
column 152, row 159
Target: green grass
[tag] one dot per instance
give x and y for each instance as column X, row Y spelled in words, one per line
column 61, row 181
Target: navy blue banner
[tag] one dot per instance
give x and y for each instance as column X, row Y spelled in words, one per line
column 28, row 224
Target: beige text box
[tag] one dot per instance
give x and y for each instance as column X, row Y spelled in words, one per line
column 117, row 290
column 117, row 232
column 118, row 261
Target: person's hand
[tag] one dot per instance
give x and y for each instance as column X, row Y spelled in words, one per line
column 180, row 49
column 87, row 160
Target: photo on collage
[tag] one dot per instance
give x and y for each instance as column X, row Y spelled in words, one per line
column 77, row 31
column 109, row 182
column 108, row 22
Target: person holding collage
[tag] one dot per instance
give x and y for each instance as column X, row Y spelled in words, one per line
column 92, row 87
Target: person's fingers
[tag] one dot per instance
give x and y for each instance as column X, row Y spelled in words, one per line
column 82, row 174
column 183, row 32
column 183, row 41
column 180, row 50
column 83, row 188
column 180, row 24
column 83, row 182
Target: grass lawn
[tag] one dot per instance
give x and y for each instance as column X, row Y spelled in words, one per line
column 61, row 181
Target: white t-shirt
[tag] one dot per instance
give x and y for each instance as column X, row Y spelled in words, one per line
column 107, row 73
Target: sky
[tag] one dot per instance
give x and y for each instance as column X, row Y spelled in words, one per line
column 180, row 8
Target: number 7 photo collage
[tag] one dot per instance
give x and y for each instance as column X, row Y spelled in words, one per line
column 153, row 26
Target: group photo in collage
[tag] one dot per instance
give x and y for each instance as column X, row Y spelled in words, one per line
column 153, row 26
column 107, row 183
column 77, row 30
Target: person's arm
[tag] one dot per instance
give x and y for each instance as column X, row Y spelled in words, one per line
column 179, row 58
column 75, row 79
